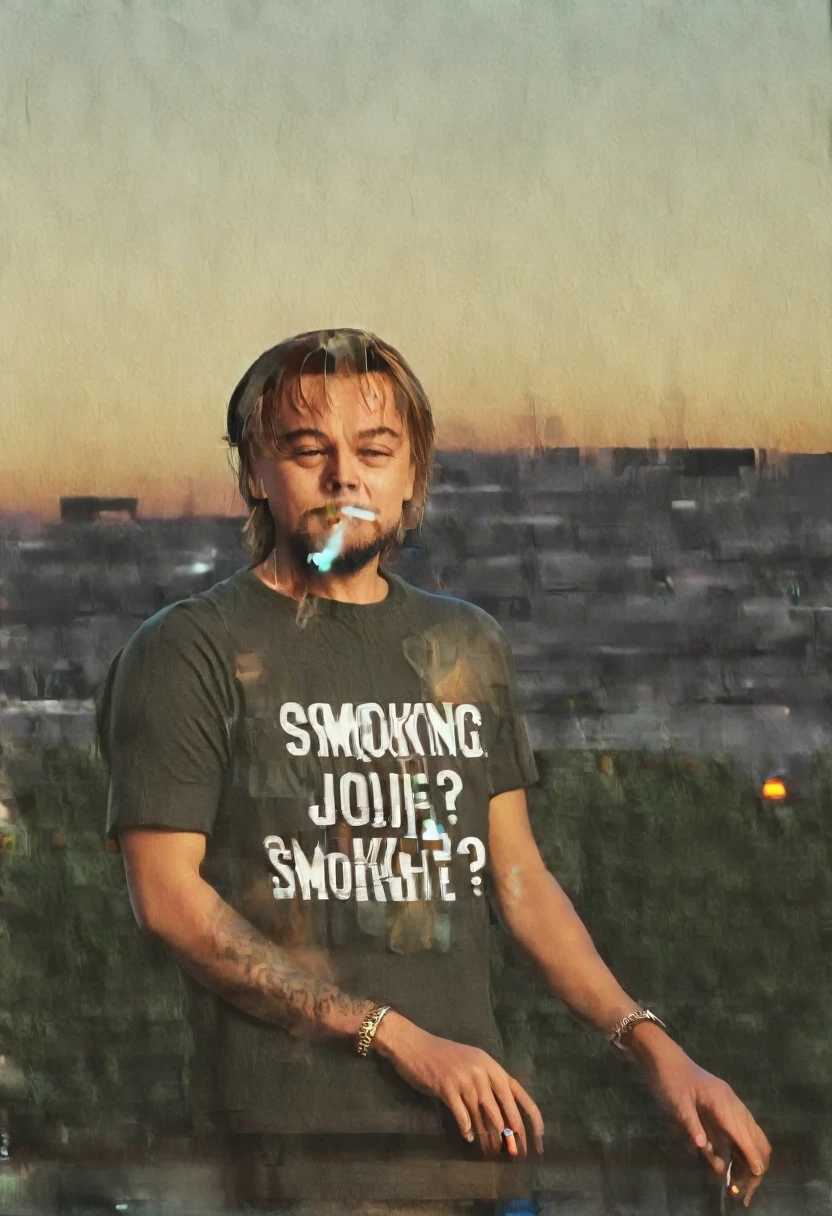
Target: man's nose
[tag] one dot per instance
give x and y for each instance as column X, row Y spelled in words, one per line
column 341, row 472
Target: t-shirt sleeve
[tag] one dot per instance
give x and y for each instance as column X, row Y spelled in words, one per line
column 164, row 726
column 511, row 763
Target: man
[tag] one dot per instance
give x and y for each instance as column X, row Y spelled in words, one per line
column 315, row 769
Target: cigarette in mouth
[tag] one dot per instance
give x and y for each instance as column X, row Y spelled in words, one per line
column 359, row 513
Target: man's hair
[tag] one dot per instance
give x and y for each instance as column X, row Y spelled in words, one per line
column 275, row 379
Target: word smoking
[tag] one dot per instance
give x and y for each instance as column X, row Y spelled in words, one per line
column 374, row 869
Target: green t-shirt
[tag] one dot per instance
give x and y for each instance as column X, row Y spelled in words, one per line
column 341, row 769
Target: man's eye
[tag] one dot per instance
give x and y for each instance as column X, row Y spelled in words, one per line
column 308, row 452
column 375, row 452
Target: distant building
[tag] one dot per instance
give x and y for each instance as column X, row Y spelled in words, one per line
column 87, row 509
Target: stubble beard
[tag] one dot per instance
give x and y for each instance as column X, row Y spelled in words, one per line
column 350, row 560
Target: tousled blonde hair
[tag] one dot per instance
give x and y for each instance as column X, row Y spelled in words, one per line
column 275, row 379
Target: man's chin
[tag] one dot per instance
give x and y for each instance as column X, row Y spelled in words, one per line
column 348, row 561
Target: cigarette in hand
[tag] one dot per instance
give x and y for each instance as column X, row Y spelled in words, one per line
column 730, row 1186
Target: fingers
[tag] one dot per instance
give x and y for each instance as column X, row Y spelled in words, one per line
column 491, row 1105
column 722, row 1153
column 465, row 1107
column 742, row 1183
column 750, row 1189
column 488, row 1129
column 697, row 1136
column 745, row 1180
column 733, row 1124
column 735, row 1137
column 532, row 1112
column 461, row 1113
column 508, row 1113
column 758, row 1152
column 755, row 1149
column 717, row 1147
column 748, row 1136
column 512, row 1097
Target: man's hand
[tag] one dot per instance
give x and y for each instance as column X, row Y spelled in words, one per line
column 483, row 1098
column 716, row 1123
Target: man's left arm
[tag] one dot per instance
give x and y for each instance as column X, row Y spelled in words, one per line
column 541, row 917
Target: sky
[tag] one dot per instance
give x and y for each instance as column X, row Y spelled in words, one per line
column 621, row 213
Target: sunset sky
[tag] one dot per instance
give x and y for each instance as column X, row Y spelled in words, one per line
column 622, row 211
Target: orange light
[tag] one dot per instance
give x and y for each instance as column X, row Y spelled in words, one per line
column 774, row 790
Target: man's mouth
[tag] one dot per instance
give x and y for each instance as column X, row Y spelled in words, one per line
column 333, row 512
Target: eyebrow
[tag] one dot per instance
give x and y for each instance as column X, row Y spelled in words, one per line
column 376, row 431
column 302, row 432
column 309, row 432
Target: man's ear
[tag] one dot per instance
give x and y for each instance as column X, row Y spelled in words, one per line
column 411, row 482
column 409, row 515
column 255, row 486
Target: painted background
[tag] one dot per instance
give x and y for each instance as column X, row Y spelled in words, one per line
column 587, row 225
column 622, row 212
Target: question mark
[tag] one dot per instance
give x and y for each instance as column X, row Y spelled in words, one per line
column 452, row 794
column 466, row 846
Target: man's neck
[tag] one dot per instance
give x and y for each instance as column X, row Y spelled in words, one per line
column 365, row 586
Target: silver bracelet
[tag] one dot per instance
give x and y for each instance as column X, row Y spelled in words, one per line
column 626, row 1024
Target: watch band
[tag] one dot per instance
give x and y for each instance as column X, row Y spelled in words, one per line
column 369, row 1027
column 626, row 1025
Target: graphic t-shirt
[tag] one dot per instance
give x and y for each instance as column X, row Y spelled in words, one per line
column 341, row 769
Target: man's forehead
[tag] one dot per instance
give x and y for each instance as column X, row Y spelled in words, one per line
column 361, row 401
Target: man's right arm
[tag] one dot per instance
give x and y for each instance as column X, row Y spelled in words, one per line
column 223, row 951
column 219, row 947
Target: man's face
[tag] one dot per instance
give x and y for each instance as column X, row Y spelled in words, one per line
column 352, row 450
